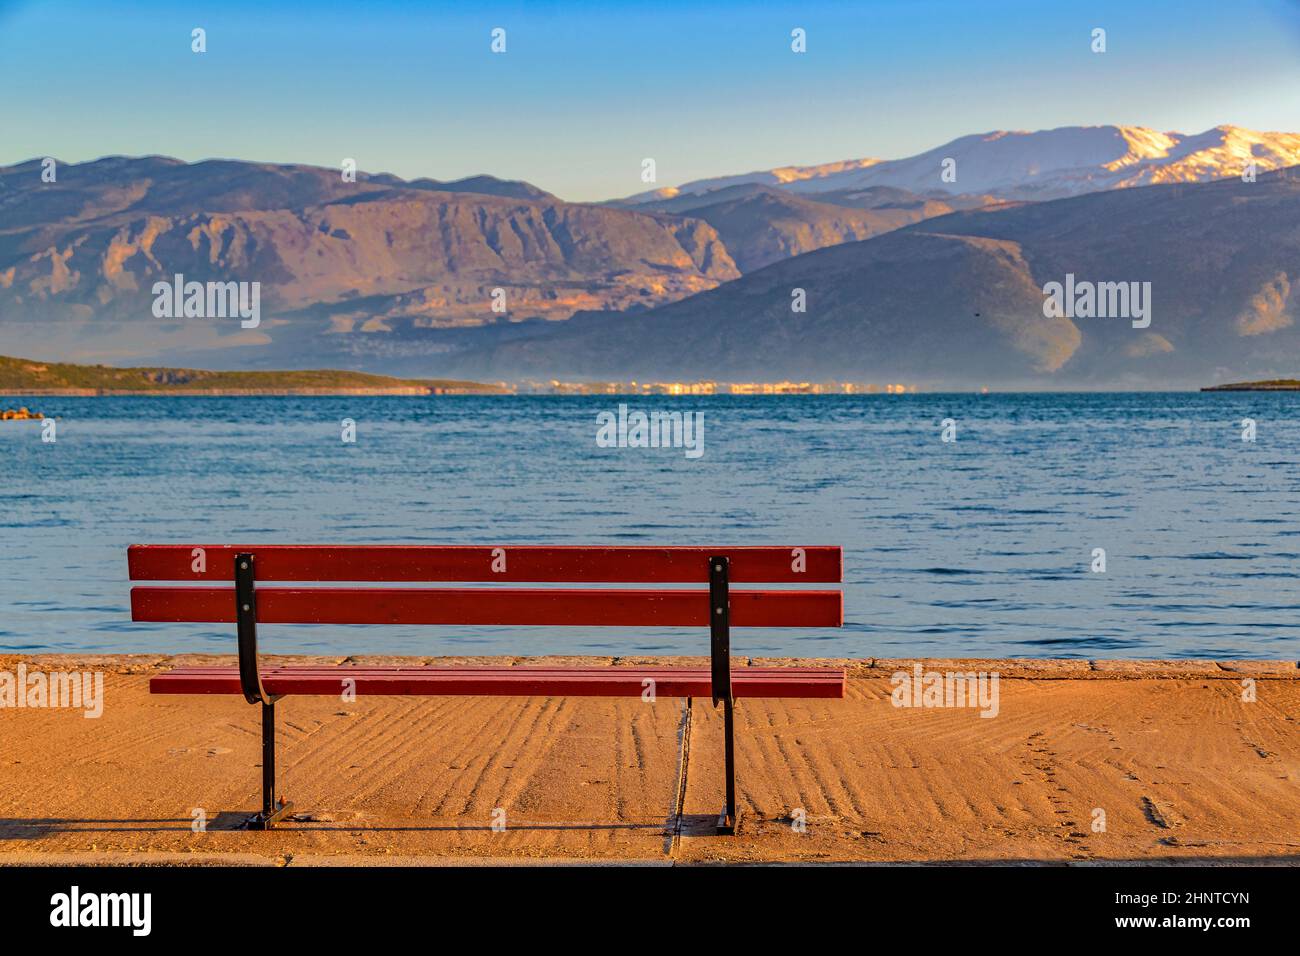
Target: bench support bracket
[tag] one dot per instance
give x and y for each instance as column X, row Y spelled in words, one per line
column 250, row 681
column 720, row 653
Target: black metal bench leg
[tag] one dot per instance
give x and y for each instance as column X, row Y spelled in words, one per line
column 720, row 674
column 730, row 817
column 272, row 812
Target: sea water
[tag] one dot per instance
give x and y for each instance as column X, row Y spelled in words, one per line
column 985, row 545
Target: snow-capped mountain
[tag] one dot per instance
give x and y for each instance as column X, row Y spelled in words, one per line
column 1047, row 164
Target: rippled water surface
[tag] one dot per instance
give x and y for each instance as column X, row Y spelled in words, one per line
column 979, row 547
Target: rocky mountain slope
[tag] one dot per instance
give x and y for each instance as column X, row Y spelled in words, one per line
column 760, row 225
column 959, row 301
column 79, row 257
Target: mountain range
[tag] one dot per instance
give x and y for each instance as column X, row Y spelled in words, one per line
column 79, row 256
column 958, row 301
column 760, row 224
column 1045, row 164
column 906, row 276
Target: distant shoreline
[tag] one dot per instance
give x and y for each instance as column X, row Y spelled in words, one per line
column 516, row 390
column 1272, row 385
column 244, row 392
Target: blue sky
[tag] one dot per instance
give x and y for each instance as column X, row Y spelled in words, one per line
column 586, row 90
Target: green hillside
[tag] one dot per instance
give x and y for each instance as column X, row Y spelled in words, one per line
column 19, row 376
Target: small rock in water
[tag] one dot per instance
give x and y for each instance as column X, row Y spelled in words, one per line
column 19, row 414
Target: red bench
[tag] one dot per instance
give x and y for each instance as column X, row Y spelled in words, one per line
column 250, row 602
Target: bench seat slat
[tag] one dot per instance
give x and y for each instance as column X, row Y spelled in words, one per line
column 334, row 669
column 489, row 606
column 776, row 682
column 522, row 564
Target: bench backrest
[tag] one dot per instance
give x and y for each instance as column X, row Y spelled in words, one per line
column 330, row 564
